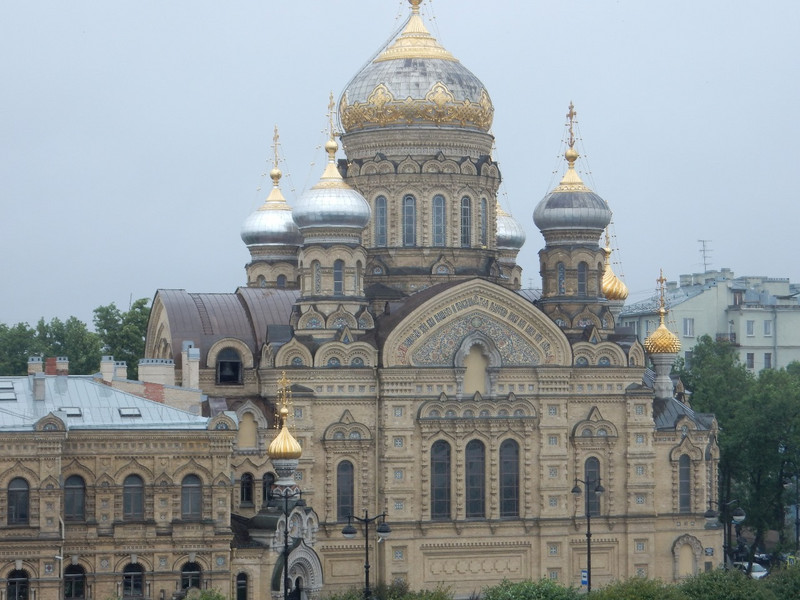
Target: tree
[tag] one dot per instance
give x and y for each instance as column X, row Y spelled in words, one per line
column 123, row 333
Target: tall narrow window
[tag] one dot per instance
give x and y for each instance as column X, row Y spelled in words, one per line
column 466, row 222
column 344, row 490
column 229, row 367
column 509, row 479
column 281, row 282
column 191, row 575
column 74, row 498
column 440, row 480
column 133, row 498
column 338, row 278
column 18, row 501
column 409, row 221
column 246, row 489
column 438, row 220
column 484, row 222
column 133, row 581
column 17, row 586
column 562, row 279
column 191, row 498
column 380, row 221
column 583, row 274
column 685, row 483
column 266, row 487
column 591, row 475
column 241, row 586
column 475, row 479
column 74, row 582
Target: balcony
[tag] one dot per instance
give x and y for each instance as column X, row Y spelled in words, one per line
column 727, row 337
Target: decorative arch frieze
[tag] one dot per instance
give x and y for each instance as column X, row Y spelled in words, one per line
column 432, row 333
column 311, row 319
column 340, row 318
column 408, row 167
column 292, row 350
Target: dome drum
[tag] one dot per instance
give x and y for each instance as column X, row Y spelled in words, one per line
column 419, row 142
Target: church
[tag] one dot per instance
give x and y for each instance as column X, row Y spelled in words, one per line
column 485, row 422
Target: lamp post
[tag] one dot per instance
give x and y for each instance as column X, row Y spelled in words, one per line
column 383, row 530
column 598, row 489
column 728, row 518
column 287, row 495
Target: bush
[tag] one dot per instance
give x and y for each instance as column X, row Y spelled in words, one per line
column 544, row 589
column 727, row 585
column 639, row 589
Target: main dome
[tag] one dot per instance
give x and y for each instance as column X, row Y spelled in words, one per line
column 415, row 81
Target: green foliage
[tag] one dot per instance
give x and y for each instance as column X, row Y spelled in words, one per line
column 639, row 589
column 725, row 585
column 351, row 594
column 123, row 333
column 543, row 589
column 784, row 583
column 396, row 591
column 211, row 594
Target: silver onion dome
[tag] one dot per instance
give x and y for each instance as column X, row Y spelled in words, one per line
column 272, row 223
column 510, row 234
column 331, row 210
column 572, row 205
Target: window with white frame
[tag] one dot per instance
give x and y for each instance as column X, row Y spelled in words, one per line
column 688, row 327
column 750, row 360
column 751, row 328
column 767, row 360
column 768, row 328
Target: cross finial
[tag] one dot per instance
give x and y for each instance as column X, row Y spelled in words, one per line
column 331, row 106
column 275, row 138
column 570, row 121
column 661, row 281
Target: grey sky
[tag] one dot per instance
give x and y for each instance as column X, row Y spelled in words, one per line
column 134, row 135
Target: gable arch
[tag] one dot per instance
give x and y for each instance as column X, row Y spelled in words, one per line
column 243, row 349
column 19, row 470
column 193, row 467
column 286, row 355
column 686, row 447
column 75, row 467
column 133, row 467
column 696, row 548
column 431, row 333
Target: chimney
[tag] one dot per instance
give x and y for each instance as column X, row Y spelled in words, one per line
column 50, row 365
column 190, row 370
column 62, row 365
column 107, row 368
column 157, row 370
column 38, row 387
column 120, row 369
column 35, row 365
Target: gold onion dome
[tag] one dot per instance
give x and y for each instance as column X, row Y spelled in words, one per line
column 284, row 445
column 415, row 81
column 612, row 286
column 662, row 340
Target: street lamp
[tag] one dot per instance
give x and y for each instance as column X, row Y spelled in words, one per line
column 383, row 530
column 598, row 489
column 728, row 518
column 287, row 495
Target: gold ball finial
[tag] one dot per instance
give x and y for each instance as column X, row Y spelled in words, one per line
column 275, row 175
column 331, row 146
column 571, row 155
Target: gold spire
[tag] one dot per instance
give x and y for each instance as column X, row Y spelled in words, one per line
column 662, row 340
column 284, row 446
column 415, row 41
column 275, row 200
column 571, row 182
column 331, row 178
column 612, row 287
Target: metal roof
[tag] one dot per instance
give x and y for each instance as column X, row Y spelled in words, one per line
column 85, row 403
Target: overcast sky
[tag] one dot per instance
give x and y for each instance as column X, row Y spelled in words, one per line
column 135, row 135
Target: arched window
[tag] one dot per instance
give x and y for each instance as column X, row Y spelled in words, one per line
column 266, row 486
column 409, row 221
column 338, row 278
column 133, row 498
column 438, row 220
column 261, row 281
column 476, row 479
column 466, row 222
column 241, row 586
column 685, row 483
column 191, row 498
column 18, row 501
column 562, row 279
column 440, row 480
column 229, row 367
column 509, row 479
column 357, row 278
column 74, row 498
column 17, row 586
column 484, row 221
column 581, row 361
column 583, row 272
column 133, row 581
column 316, row 274
column 246, row 489
column 191, row 574
column 344, row 490
column 591, row 475
column 380, row 221
column 281, row 282
column 74, row 582
column 604, row 361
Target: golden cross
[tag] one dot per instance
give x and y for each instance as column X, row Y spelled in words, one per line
column 331, row 106
column 571, row 117
column 661, row 281
column 275, row 145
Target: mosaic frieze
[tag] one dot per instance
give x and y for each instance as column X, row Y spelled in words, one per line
column 440, row 348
